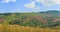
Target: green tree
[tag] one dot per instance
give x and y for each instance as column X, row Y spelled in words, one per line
column 35, row 23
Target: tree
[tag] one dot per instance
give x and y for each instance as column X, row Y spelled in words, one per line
column 35, row 23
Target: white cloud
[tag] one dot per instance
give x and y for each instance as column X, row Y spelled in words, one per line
column 44, row 2
column 49, row 2
column 13, row 0
column 57, row 1
column 7, row 1
column 30, row 5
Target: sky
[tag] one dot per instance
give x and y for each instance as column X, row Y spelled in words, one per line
column 13, row 6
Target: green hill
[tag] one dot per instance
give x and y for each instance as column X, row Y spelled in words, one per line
column 50, row 18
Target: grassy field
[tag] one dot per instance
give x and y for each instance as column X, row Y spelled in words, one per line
column 17, row 28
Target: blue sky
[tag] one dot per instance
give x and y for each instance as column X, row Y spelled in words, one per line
column 9, row 6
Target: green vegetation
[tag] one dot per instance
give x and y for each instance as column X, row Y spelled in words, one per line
column 30, row 22
column 39, row 19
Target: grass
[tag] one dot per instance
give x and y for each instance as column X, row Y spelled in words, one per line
column 17, row 28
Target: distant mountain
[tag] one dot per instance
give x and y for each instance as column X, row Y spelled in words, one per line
column 53, row 12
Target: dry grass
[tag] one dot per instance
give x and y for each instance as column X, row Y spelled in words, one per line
column 17, row 28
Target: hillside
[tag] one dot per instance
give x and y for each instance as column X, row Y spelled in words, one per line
column 48, row 21
column 38, row 19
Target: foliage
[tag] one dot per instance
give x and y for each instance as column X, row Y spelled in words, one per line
column 14, row 22
column 21, row 19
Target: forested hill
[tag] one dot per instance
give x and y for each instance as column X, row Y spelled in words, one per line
column 54, row 12
column 38, row 19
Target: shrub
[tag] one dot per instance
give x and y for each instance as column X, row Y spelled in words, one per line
column 14, row 22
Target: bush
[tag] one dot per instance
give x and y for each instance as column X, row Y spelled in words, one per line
column 35, row 23
column 14, row 22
